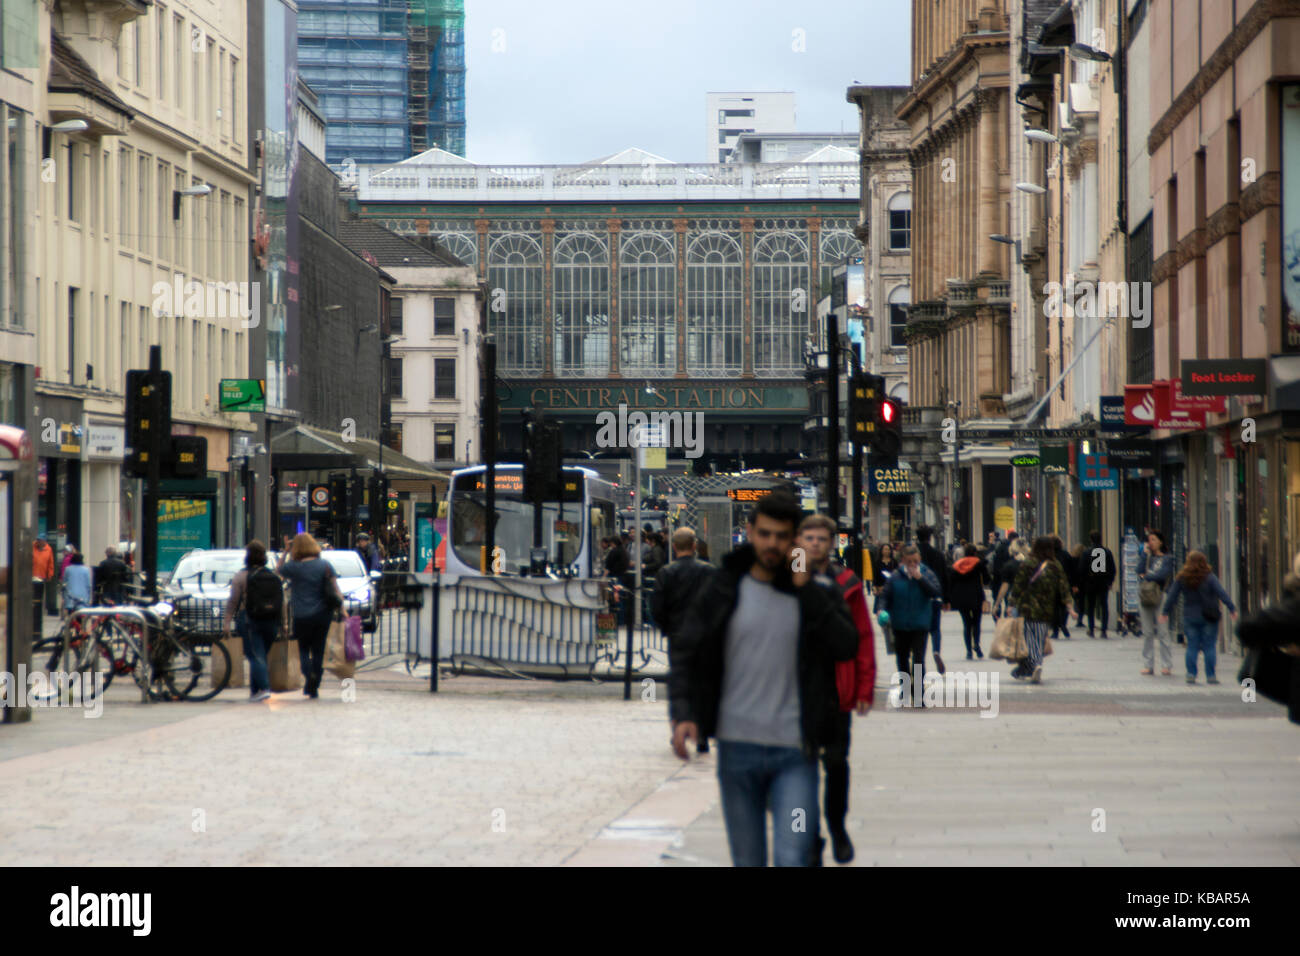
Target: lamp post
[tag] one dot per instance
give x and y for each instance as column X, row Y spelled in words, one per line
column 956, row 485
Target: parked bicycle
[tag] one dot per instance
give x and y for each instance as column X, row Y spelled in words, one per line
column 180, row 664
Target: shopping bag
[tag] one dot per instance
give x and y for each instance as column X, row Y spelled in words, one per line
column 354, row 648
column 1009, row 640
column 282, row 665
column 336, row 660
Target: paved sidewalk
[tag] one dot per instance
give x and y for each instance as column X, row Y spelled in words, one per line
column 504, row 772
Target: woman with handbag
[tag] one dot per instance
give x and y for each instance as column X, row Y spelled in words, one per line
column 970, row 575
column 1201, row 593
column 314, row 596
column 1042, row 593
column 1155, row 568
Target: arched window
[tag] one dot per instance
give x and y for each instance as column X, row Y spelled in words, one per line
column 647, row 304
column 515, row 301
column 781, row 304
column 714, row 299
column 900, row 222
column 899, row 300
column 461, row 245
column 837, row 244
column 581, row 276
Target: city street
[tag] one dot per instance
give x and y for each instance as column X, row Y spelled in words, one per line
column 508, row 772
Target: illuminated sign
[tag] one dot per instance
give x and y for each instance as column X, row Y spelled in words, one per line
column 1025, row 461
column 893, row 481
column 748, row 494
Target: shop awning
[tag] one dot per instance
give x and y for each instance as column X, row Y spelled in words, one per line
column 307, row 448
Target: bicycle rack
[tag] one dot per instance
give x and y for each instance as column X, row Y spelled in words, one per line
column 147, row 619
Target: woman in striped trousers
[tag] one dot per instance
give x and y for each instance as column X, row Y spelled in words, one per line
column 1041, row 591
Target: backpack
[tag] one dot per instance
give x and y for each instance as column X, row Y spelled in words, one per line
column 263, row 595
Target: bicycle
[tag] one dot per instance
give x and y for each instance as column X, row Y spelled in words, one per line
column 74, row 650
column 178, row 659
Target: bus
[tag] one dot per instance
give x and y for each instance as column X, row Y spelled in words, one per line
column 571, row 530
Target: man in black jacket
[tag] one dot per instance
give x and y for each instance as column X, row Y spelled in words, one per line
column 1001, row 553
column 933, row 560
column 677, row 585
column 754, row 666
column 1097, row 573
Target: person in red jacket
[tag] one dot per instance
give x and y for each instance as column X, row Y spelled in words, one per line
column 855, row 679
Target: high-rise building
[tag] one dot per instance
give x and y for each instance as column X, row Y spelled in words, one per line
column 390, row 75
column 729, row 115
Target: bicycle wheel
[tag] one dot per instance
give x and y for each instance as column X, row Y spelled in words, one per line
column 72, row 666
column 190, row 667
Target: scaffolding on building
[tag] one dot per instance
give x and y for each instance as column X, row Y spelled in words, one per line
column 390, row 75
column 436, row 65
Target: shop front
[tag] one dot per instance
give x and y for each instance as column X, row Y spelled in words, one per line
column 16, row 616
column 59, row 441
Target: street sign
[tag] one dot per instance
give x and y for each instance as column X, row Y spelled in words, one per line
column 1132, row 453
column 320, row 496
column 243, row 395
column 1095, row 474
column 1112, row 415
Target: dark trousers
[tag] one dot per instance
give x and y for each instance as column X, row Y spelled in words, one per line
column 835, row 761
column 52, row 596
column 970, row 622
column 258, row 636
column 909, row 654
column 310, row 633
column 1098, row 603
column 936, row 632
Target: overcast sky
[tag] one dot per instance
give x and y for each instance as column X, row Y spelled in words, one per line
column 573, row 80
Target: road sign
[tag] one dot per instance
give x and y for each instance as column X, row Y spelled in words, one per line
column 320, row 496
column 243, row 395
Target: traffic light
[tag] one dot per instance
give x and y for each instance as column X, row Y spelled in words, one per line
column 543, row 458
column 864, row 399
column 888, row 437
column 148, row 419
column 338, row 498
column 187, row 457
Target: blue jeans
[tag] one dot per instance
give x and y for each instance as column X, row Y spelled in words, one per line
column 935, row 633
column 258, row 637
column 754, row 778
column 1202, row 635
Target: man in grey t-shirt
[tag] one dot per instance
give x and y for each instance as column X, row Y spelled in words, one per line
column 754, row 666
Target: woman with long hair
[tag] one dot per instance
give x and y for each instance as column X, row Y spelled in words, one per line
column 970, row 576
column 314, row 596
column 885, row 565
column 258, row 629
column 1155, row 567
column 1201, row 593
column 1017, row 554
column 1042, row 593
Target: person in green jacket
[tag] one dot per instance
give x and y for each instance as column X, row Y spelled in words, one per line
column 1041, row 591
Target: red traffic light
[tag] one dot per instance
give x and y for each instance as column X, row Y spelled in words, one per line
column 888, row 411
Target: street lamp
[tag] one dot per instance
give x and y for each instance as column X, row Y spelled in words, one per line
column 1034, row 188
column 1081, row 51
column 1040, row 135
column 202, row 189
column 1007, row 241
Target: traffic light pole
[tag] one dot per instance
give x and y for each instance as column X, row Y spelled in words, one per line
column 855, row 546
column 153, row 479
column 833, row 419
column 489, row 450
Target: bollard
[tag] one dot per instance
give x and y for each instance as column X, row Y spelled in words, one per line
column 433, row 645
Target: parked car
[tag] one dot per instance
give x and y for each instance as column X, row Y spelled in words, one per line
column 199, row 587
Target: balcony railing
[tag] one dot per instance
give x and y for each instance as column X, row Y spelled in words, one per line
column 471, row 183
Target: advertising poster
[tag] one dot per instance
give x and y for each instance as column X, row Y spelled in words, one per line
column 183, row 524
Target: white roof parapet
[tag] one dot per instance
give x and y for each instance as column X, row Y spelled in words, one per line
column 420, row 182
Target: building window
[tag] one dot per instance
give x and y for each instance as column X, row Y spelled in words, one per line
column 581, row 305
column 394, row 377
column 648, row 305
column 395, row 316
column 515, row 289
column 444, row 442
column 72, row 335
column 836, row 246
column 714, row 301
column 444, row 316
column 444, row 378
column 900, row 221
column 143, row 166
column 17, row 186
column 899, row 300
column 74, row 198
column 781, row 304
column 394, row 436
column 161, row 21
column 125, row 205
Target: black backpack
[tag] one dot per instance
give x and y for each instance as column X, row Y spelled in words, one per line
column 264, row 595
